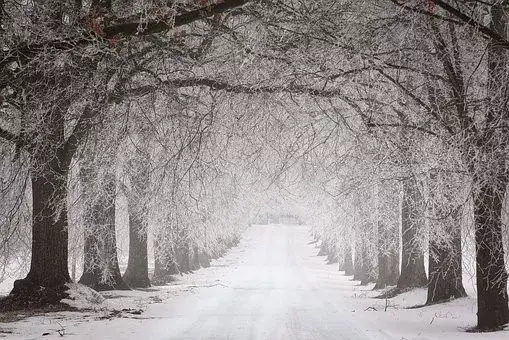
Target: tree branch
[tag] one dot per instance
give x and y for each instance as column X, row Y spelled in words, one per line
column 493, row 35
column 8, row 136
column 415, row 98
column 26, row 52
column 422, row 11
column 406, row 126
column 79, row 132
column 486, row 31
column 139, row 28
column 231, row 88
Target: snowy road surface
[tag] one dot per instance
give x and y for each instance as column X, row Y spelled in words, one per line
column 273, row 291
column 269, row 288
column 272, row 286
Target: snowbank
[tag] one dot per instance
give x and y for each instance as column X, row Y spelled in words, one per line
column 83, row 297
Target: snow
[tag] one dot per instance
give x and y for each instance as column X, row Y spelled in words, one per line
column 83, row 297
column 272, row 286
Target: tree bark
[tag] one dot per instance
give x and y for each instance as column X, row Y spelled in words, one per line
column 195, row 261
column 341, row 260
column 388, row 255
column 445, row 264
column 49, row 258
column 490, row 177
column 136, row 274
column 165, row 266
column 492, row 300
column 100, row 266
column 360, row 272
column 324, row 248
column 183, row 256
column 163, row 272
column 363, row 265
column 349, row 269
column 48, row 267
column 412, row 257
column 204, row 259
column 332, row 256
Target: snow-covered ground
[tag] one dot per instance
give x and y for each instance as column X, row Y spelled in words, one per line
column 272, row 286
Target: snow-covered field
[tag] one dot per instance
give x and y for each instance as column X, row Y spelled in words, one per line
column 272, row 286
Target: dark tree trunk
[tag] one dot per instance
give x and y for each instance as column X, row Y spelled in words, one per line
column 164, row 267
column 490, row 184
column 363, row 266
column 341, row 260
column 369, row 268
column 388, row 255
column 50, row 236
column 162, row 273
column 204, row 259
column 183, row 257
column 492, row 300
column 359, row 268
column 412, row 257
column 100, row 266
column 48, row 266
column 195, row 261
column 445, row 265
column 136, row 274
column 332, row 256
column 324, row 248
column 349, row 269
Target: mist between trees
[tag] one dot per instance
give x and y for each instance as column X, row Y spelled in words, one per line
column 382, row 124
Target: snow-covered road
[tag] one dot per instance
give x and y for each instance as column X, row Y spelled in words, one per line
column 269, row 288
column 272, row 286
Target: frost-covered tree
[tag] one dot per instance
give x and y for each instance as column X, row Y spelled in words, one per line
column 56, row 78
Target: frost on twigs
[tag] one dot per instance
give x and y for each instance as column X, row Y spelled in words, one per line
column 83, row 297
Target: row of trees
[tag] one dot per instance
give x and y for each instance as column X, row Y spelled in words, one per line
column 192, row 107
column 429, row 90
column 86, row 118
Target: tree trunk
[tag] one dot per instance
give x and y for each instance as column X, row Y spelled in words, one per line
column 100, row 265
column 388, row 255
column 363, row 266
column 48, row 266
column 359, row 268
column 341, row 260
column 492, row 300
column 368, row 265
column 332, row 256
column 490, row 184
column 136, row 274
column 324, row 248
column 195, row 261
column 163, row 272
column 445, row 264
column 183, row 257
column 165, row 266
column 204, row 259
column 49, row 239
column 412, row 257
column 349, row 270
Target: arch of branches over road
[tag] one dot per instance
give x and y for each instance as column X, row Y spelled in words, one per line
column 372, row 104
